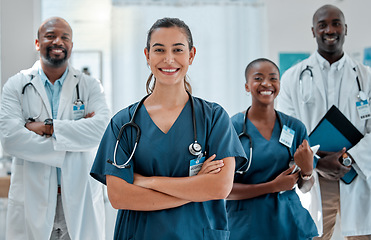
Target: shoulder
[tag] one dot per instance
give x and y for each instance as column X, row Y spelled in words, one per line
column 238, row 117
column 238, row 121
column 83, row 78
column 364, row 70
column 298, row 67
column 124, row 115
column 291, row 122
column 17, row 81
column 208, row 107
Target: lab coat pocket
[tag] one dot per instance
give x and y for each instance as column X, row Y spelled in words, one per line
column 213, row 234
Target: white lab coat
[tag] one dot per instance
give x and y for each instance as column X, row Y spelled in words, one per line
column 33, row 190
column 355, row 198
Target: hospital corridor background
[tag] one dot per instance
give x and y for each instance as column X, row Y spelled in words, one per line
column 109, row 38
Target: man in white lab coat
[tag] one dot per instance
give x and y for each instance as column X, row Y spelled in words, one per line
column 52, row 119
column 334, row 79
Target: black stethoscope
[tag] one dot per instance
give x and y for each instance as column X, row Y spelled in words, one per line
column 78, row 101
column 245, row 134
column 361, row 95
column 194, row 148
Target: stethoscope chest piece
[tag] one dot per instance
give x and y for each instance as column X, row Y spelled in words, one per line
column 195, row 148
column 362, row 96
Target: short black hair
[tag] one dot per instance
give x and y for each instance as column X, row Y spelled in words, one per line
column 251, row 64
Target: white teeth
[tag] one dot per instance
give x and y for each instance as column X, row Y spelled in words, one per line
column 168, row 70
column 330, row 39
column 57, row 50
column 266, row 92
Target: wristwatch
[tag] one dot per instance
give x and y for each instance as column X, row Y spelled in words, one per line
column 306, row 177
column 48, row 121
column 347, row 161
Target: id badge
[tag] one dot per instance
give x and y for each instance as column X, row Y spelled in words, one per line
column 78, row 111
column 195, row 165
column 287, row 136
column 363, row 109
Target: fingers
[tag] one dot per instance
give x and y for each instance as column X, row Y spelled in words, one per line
column 304, row 144
column 212, row 157
column 342, row 151
column 214, row 167
column 289, row 170
column 89, row 115
column 211, row 166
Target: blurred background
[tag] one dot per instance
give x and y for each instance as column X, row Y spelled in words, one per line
column 110, row 35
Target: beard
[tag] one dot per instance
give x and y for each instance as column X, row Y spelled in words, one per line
column 55, row 62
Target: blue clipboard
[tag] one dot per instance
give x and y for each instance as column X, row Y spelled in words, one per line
column 334, row 132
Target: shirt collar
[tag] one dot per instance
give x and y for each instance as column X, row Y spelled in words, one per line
column 324, row 64
column 45, row 79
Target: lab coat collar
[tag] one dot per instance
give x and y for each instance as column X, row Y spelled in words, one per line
column 32, row 74
column 324, row 64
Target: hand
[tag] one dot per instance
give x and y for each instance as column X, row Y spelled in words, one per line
column 303, row 157
column 40, row 128
column 329, row 166
column 286, row 181
column 89, row 115
column 211, row 166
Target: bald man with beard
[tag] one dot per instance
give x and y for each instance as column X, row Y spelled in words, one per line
column 51, row 121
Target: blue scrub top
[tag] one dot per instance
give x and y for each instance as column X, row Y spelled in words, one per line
column 160, row 154
column 270, row 216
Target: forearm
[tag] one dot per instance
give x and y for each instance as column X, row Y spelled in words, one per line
column 123, row 195
column 242, row 191
column 198, row 188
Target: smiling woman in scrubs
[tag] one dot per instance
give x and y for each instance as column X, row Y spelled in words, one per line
column 157, row 197
column 263, row 204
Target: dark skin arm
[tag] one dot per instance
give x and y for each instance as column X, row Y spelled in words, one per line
column 304, row 159
column 329, row 166
column 283, row 182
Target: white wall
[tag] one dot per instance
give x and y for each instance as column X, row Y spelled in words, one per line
column 18, row 33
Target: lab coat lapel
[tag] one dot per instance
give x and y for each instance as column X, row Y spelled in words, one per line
column 349, row 84
column 68, row 90
column 40, row 87
column 319, row 87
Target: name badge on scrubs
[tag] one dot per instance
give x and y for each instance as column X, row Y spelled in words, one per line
column 363, row 109
column 78, row 109
column 195, row 165
column 287, row 136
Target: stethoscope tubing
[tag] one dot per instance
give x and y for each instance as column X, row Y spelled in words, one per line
column 33, row 119
column 195, row 148
column 362, row 96
column 245, row 134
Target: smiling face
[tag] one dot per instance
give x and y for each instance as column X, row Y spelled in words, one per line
column 54, row 42
column 169, row 55
column 263, row 81
column 329, row 29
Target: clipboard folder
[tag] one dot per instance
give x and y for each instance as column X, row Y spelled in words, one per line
column 334, row 132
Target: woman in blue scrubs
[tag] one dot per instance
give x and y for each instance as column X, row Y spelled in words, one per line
column 162, row 195
column 263, row 203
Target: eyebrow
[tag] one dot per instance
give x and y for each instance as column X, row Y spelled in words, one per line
column 162, row 45
column 52, row 32
column 259, row 73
